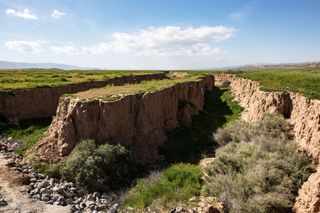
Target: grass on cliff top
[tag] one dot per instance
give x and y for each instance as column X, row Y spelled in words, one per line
column 29, row 78
column 112, row 92
column 304, row 82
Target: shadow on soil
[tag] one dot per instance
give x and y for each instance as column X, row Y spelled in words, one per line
column 189, row 144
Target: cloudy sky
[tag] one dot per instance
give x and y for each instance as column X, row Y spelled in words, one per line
column 159, row 34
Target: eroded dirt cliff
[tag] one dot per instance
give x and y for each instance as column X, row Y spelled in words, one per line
column 137, row 121
column 302, row 113
column 42, row 102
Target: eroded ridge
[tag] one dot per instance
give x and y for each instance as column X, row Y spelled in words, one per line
column 138, row 118
column 42, row 102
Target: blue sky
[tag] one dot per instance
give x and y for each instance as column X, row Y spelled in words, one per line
column 160, row 34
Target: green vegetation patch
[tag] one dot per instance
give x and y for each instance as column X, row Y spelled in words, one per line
column 258, row 169
column 163, row 190
column 112, row 92
column 99, row 168
column 32, row 78
column 304, row 82
column 29, row 131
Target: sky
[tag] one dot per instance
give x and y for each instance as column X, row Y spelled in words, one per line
column 160, row 34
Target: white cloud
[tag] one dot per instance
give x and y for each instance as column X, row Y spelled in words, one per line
column 65, row 50
column 25, row 46
column 56, row 14
column 160, row 41
column 26, row 14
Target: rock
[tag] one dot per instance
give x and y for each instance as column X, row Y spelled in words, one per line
column 45, row 191
column 90, row 197
column 33, row 180
column 67, row 194
column 194, row 199
column 3, row 202
column 180, row 210
column 78, row 201
column 61, row 201
column 90, row 203
column 45, row 198
column 36, row 196
column 69, row 201
column 130, row 210
column 104, row 196
column 56, row 189
column 82, row 205
column 96, row 194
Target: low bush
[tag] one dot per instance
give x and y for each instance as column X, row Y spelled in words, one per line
column 51, row 170
column 177, row 183
column 98, row 168
column 270, row 127
column 258, row 169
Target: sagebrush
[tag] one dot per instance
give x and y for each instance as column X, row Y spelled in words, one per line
column 258, row 169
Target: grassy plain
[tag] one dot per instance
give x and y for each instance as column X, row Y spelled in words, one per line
column 110, row 91
column 25, row 78
column 305, row 82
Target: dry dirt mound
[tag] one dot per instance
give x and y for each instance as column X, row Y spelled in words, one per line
column 16, row 197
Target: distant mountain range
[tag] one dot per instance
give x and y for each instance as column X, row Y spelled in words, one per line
column 303, row 65
column 21, row 65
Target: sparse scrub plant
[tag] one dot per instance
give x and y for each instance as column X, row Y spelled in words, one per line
column 258, row 169
column 269, row 126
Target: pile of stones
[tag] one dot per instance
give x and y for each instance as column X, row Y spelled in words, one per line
column 201, row 205
column 54, row 191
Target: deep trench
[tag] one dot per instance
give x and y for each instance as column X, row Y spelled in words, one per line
column 188, row 144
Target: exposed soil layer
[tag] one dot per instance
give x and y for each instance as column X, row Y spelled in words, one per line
column 304, row 115
column 42, row 102
column 138, row 121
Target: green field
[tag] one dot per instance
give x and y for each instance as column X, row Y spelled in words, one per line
column 25, row 78
column 112, row 92
column 304, row 82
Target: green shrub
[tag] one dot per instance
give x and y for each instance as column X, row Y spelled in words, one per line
column 98, row 168
column 177, row 183
column 258, row 170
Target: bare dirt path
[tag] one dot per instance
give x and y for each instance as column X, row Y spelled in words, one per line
column 15, row 194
